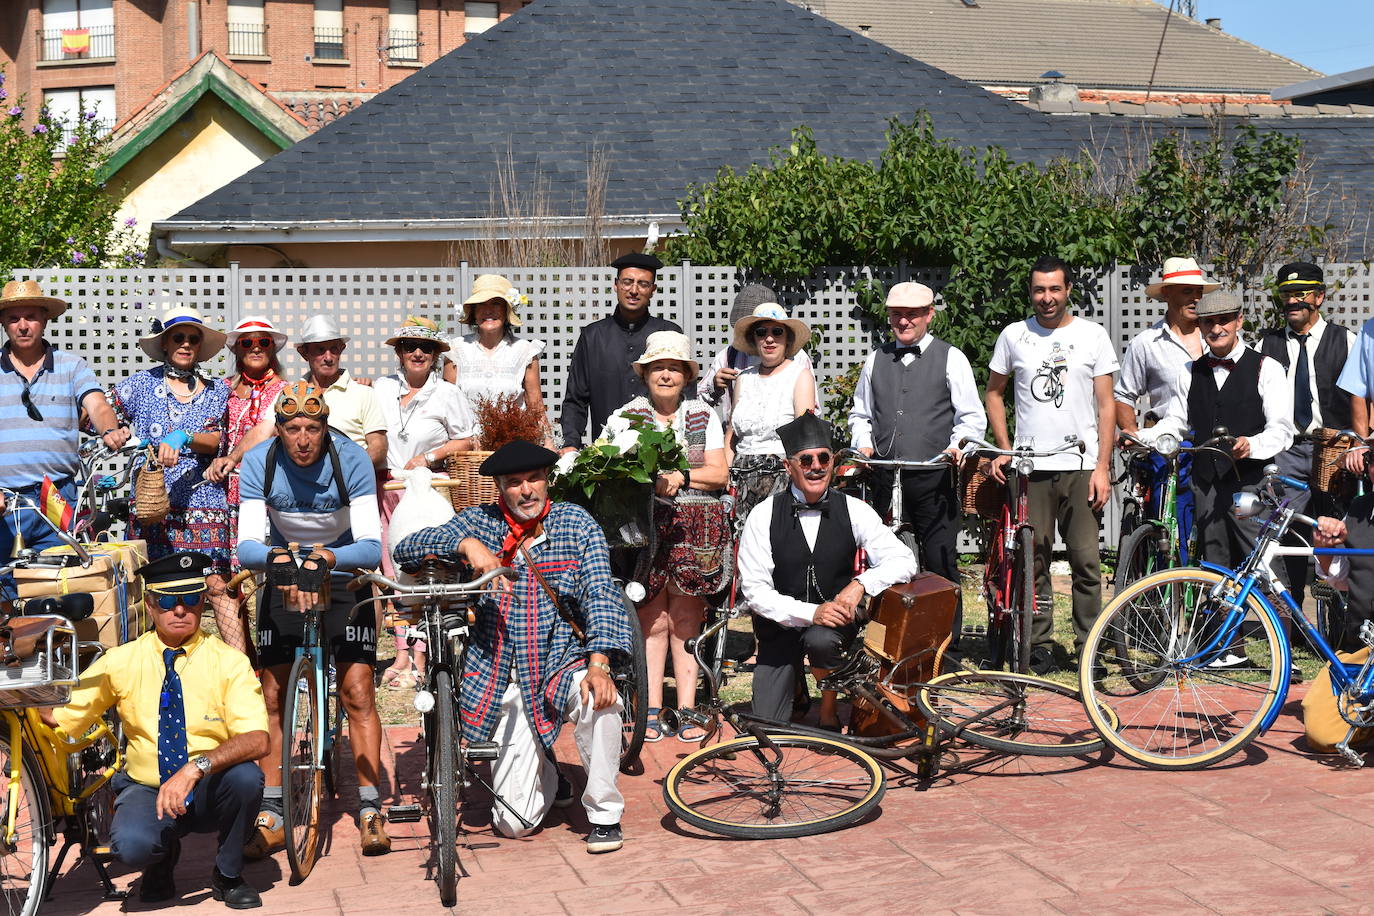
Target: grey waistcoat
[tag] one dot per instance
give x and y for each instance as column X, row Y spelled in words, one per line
column 913, row 414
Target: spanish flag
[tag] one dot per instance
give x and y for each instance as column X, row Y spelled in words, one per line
column 57, row 509
column 76, row 41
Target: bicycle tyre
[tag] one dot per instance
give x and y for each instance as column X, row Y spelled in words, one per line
column 33, row 837
column 1140, row 555
column 726, row 788
column 443, row 786
column 1023, row 600
column 631, row 675
column 333, row 724
column 999, row 615
column 1177, row 710
column 1046, row 721
column 301, row 773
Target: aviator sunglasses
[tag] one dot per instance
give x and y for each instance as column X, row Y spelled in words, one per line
column 167, row 602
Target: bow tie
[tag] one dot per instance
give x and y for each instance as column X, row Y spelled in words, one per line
column 1224, row 362
column 822, row 504
column 899, row 352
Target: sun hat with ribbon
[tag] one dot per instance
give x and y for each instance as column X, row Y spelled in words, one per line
column 255, row 326
column 770, row 311
column 667, row 345
column 28, row 292
column 494, row 286
column 183, row 319
column 416, row 328
column 1181, row 272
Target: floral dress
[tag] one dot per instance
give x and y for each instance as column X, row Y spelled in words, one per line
column 242, row 414
column 199, row 518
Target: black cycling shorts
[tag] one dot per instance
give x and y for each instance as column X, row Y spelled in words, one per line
column 349, row 636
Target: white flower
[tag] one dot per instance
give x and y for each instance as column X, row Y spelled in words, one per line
column 565, row 463
column 517, row 298
column 626, row 441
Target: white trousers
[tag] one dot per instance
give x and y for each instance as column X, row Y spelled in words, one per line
column 527, row 779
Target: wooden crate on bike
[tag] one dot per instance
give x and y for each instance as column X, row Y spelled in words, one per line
column 983, row 496
column 908, row 627
column 112, row 582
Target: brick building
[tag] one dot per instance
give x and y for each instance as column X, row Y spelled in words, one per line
column 320, row 58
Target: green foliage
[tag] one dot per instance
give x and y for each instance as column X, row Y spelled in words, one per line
column 56, row 212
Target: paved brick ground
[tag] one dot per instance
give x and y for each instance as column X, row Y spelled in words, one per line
column 1277, row 831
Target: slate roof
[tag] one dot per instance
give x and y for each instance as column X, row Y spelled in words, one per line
column 671, row 89
column 1098, row 43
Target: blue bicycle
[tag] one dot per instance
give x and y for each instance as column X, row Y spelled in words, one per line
column 1195, row 662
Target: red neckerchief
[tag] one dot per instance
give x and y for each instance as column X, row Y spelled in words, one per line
column 256, row 387
column 518, row 530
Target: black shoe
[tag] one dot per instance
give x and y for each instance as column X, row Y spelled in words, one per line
column 1042, row 660
column 605, row 838
column 157, row 884
column 236, row 893
column 563, row 798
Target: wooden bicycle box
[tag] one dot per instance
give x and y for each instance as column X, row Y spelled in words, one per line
column 911, row 622
column 111, row 580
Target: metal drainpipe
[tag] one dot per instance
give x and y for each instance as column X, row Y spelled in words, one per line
column 192, row 29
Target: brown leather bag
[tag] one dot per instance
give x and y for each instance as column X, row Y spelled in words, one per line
column 21, row 638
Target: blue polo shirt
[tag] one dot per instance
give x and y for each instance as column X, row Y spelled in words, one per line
column 30, row 448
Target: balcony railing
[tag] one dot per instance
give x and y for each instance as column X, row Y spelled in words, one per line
column 403, row 46
column 80, row 44
column 102, row 127
column 329, row 44
column 247, row 39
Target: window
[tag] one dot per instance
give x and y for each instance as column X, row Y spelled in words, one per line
column 77, row 30
column 403, row 31
column 329, row 30
column 478, row 17
column 69, row 106
column 247, row 32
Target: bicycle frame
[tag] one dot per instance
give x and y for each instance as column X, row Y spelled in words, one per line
column 326, row 733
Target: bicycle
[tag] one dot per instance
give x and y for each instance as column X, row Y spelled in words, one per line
column 1183, row 703
column 904, row 530
column 444, row 615
column 1009, row 573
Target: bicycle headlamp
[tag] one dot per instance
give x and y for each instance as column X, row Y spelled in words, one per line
column 1167, row 445
column 1246, row 505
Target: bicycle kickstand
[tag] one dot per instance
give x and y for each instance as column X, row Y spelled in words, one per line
column 1352, row 756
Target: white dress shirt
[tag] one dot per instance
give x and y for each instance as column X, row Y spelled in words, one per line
column 1158, row 367
column 970, row 421
column 1313, row 341
column 890, row 562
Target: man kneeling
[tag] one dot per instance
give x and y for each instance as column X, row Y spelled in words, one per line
column 541, row 652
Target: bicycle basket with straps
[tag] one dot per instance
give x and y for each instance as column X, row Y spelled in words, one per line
column 983, row 496
column 38, row 661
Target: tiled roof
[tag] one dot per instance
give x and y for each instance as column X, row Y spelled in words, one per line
column 320, row 106
column 1100, row 43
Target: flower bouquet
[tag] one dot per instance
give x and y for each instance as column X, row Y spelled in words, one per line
column 613, row 479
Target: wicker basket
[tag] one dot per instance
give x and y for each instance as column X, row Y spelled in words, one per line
column 983, row 496
column 151, row 503
column 472, row 488
column 1328, row 451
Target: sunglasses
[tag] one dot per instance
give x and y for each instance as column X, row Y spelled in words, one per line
column 410, row 346
column 180, row 338
column 820, row 460
column 167, row 602
column 772, row 331
column 248, row 343
column 27, row 400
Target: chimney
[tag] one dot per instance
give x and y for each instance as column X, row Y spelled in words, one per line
column 1214, row 23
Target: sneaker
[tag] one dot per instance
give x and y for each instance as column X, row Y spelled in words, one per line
column 1230, row 662
column 372, row 833
column 604, row 838
column 157, row 884
column 265, row 839
column 235, row 893
column 1041, row 660
column 564, row 797
column 1294, row 674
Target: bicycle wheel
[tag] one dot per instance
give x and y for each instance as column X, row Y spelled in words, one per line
column 1012, row 713
column 301, row 775
column 1190, row 691
column 631, row 675
column 1144, row 550
column 333, row 755
column 996, row 598
column 799, row 786
column 1022, row 606
column 444, row 785
column 24, row 860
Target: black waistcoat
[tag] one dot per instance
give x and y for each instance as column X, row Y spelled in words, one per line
column 1360, row 535
column 1237, row 406
column 805, row 573
column 1327, row 364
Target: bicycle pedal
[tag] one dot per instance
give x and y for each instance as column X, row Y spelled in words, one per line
column 482, row 750
column 403, row 814
column 974, row 629
column 102, row 853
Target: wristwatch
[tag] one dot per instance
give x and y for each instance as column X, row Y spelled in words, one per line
column 602, row 665
column 202, row 763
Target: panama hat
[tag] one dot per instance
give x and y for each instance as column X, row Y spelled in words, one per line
column 318, row 329
column 667, row 345
column 254, row 326
column 770, row 311
column 494, row 286
column 211, row 340
column 27, row 292
column 1181, row 272
column 414, row 328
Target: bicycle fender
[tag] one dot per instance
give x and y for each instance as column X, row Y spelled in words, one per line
column 1285, row 660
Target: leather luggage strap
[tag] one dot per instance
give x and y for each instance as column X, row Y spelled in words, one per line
column 557, row 605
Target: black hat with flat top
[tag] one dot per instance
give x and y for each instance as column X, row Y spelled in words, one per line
column 515, row 456
column 177, row 574
column 807, row 431
column 637, row 259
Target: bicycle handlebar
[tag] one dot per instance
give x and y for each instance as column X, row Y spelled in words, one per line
column 22, row 502
column 435, row 589
column 942, row 461
column 987, row 449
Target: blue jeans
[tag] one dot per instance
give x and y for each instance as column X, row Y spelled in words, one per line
column 1183, row 506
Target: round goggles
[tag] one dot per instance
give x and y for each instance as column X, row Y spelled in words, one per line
column 301, row 400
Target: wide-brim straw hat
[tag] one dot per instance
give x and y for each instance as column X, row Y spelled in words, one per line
column 28, row 292
column 668, row 345
column 255, row 326
column 770, row 311
column 494, row 286
column 211, row 340
column 1181, row 272
column 419, row 329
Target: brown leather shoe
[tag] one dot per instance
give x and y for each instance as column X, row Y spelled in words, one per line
column 371, row 827
column 264, row 840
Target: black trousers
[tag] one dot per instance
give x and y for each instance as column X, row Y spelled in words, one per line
column 781, row 653
column 930, row 504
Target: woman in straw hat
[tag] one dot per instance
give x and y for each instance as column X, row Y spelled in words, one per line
column 670, row 616
column 176, row 406
column 490, row 361
column 427, row 420
column 765, row 396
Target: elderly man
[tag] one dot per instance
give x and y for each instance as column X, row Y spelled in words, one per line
column 541, row 652
column 353, row 407
column 42, row 391
column 797, row 569
column 915, row 399
column 599, row 376
column 195, row 723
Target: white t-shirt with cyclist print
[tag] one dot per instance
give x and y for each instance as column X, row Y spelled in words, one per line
column 1053, row 372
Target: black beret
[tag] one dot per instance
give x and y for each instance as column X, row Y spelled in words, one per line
column 635, row 259
column 515, row 456
column 1301, row 275
column 177, row 574
column 807, row 431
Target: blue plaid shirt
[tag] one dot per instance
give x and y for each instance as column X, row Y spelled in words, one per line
column 522, row 628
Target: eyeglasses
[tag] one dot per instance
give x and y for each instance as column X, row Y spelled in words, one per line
column 769, row 331
column 180, row 338
column 1309, row 296
column 820, row 460
column 641, row 285
column 167, row 602
column 248, row 343
column 27, row 400
column 301, row 400
column 410, row 346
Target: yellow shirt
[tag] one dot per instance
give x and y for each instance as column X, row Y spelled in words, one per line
column 353, row 409
column 221, row 696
